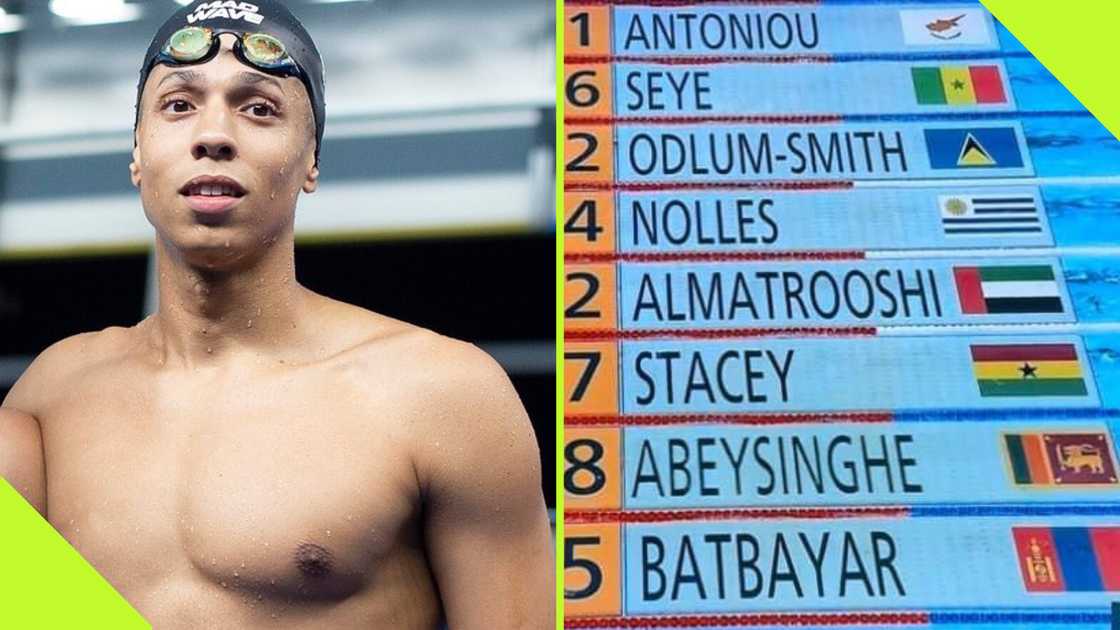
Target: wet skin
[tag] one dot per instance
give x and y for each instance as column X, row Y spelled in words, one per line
column 258, row 455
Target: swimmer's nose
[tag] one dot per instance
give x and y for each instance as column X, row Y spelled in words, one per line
column 213, row 138
column 213, row 145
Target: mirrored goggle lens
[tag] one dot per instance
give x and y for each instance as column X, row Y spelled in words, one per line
column 189, row 44
column 265, row 50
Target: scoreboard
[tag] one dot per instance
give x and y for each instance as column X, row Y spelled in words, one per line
column 842, row 321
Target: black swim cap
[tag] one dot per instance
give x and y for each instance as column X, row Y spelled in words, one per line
column 259, row 16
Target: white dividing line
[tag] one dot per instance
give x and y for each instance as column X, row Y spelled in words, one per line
column 359, row 209
column 1020, row 288
column 28, row 146
column 986, row 182
column 998, row 329
column 995, row 252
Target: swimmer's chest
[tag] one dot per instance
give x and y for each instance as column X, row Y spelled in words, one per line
column 272, row 490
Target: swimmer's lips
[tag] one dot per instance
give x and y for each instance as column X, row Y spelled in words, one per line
column 230, row 193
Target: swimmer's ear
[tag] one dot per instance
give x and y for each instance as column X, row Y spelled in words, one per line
column 134, row 166
column 312, row 182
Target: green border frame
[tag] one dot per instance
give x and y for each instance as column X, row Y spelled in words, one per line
column 559, row 282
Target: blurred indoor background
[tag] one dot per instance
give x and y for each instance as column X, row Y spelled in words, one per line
column 436, row 196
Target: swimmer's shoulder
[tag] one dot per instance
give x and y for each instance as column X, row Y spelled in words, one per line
column 418, row 350
column 465, row 409
column 451, row 373
column 56, row 369
column 424, row 359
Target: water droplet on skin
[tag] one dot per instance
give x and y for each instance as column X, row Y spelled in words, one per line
column 223, row 584
column 349, row 517
column 213, row 561
column 236, row 574
column 204, row 331
column 227, row 243
column 209, row 351
column 328, row 533
column 272, row 581
column 250, row 324
column 272, row 195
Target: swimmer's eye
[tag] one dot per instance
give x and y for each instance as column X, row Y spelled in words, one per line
column 178, row 106
column 262, row 110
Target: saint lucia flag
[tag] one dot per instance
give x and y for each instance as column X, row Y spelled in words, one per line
column 978, row 147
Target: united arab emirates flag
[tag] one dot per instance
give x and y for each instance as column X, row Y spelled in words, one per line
column 1028, row 370
column 1007, row 289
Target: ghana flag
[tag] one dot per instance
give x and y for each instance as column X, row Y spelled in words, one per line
column 958, row 85
column 1028, row 370
column 1007, row 289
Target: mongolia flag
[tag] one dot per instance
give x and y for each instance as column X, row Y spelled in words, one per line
column 1065, row 559
column 1028, row 370
column 1007, row 289
column 958, row 85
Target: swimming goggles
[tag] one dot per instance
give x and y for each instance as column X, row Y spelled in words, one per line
column 199, row 44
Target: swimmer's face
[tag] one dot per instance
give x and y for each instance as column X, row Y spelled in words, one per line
column 223, row 118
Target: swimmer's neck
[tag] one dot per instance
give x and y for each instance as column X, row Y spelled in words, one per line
column 209, row 314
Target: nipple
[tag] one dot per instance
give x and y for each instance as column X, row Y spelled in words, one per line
column 313, row 560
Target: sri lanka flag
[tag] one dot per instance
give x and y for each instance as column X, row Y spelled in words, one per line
column 958, row 85
column 1028, row 370
column 998, row 289
column 1063, row 559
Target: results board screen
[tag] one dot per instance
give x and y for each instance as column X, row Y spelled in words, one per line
column 841, row 321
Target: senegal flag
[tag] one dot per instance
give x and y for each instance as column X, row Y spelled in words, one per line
column 1028, row 370
column 958, row 85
